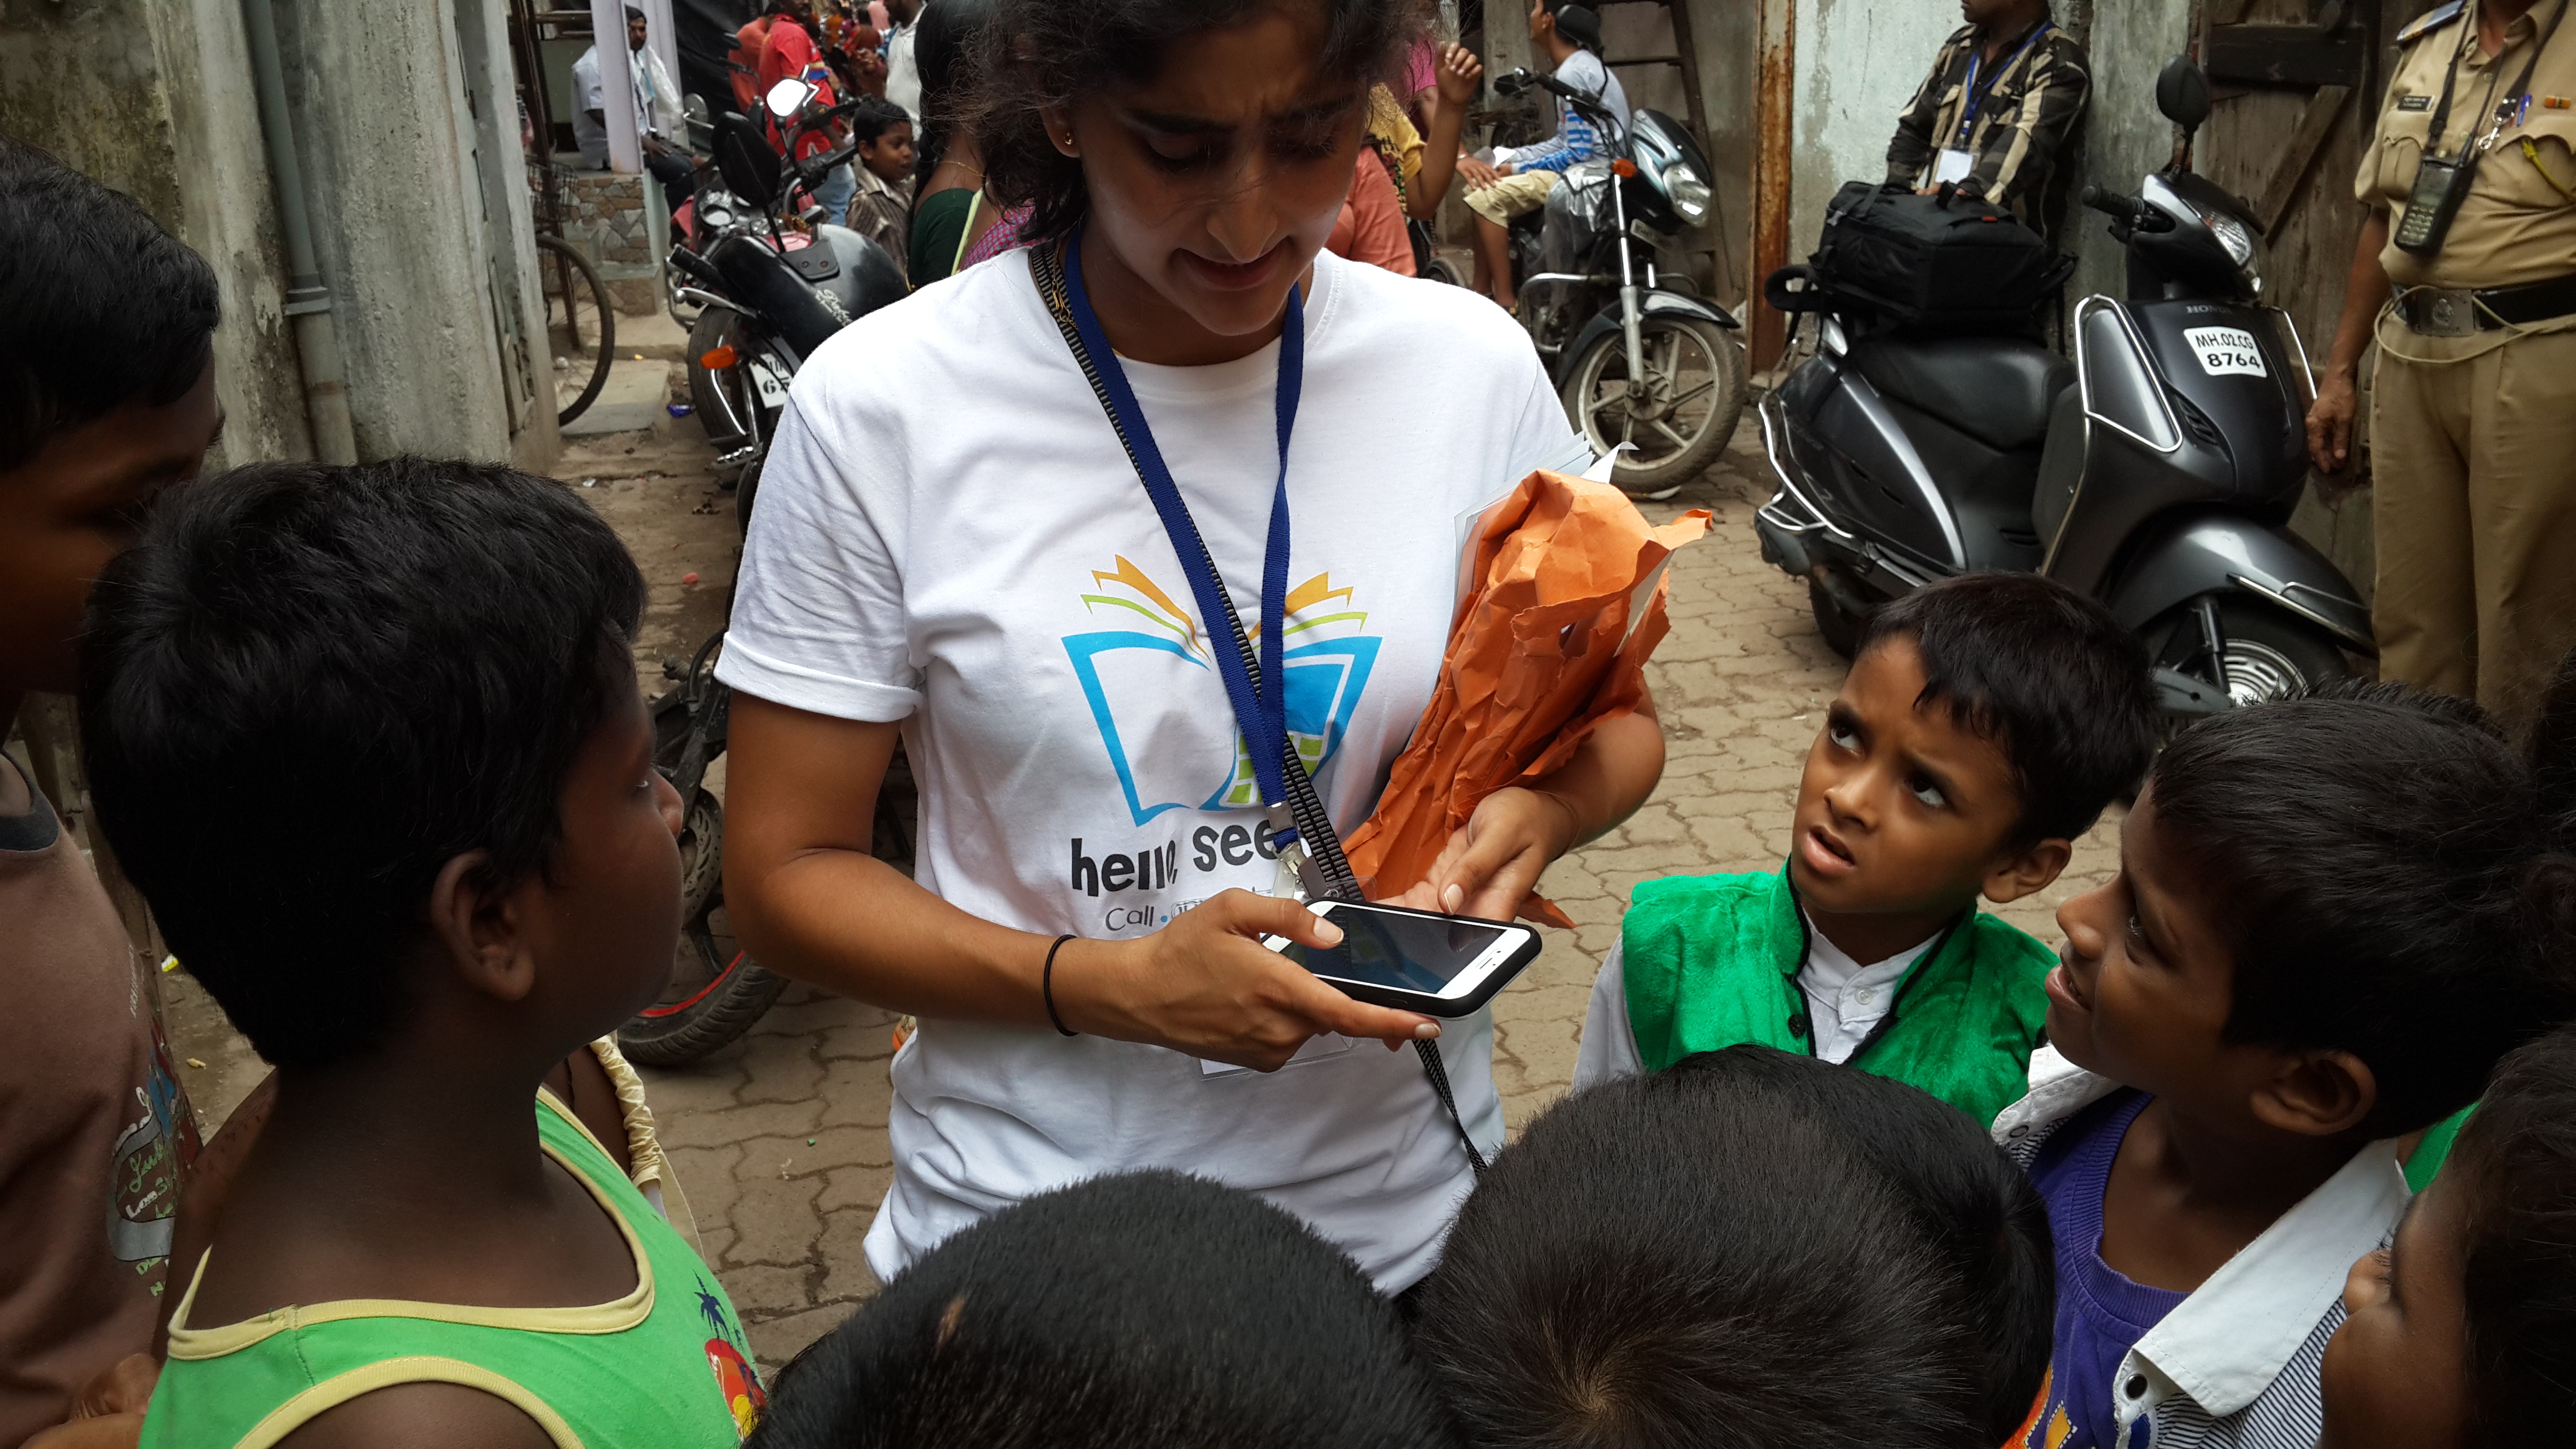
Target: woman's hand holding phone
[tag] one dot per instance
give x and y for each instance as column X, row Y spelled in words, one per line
column 1205, row 985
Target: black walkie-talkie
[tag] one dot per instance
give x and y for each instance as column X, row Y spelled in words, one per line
column 2442, row 182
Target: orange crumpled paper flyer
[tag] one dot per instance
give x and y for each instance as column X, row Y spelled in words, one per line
column 1566, row 603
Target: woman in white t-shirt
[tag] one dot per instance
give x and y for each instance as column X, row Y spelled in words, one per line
column 952, row 548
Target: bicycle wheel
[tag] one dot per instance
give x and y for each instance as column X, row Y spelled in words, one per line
column 715, row 993
column 581, row 326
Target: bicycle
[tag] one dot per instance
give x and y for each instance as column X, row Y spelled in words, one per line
column 581, row 324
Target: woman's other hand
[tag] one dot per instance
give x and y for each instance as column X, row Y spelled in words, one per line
column 1491, row 865
column 1206, row 985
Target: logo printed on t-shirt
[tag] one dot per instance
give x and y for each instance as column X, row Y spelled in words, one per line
column 1131, row 675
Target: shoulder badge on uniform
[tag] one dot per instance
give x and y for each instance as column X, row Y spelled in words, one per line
column 2431, row 20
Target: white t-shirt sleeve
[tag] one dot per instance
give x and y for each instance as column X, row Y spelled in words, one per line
column 818, row 619
column 589, row 91
column 1609, row 1041
column 1544, row 439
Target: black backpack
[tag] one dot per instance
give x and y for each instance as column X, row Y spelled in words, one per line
column 1940, row 263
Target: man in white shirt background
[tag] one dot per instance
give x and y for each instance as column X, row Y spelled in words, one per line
column 903, row 73
column 660, row 122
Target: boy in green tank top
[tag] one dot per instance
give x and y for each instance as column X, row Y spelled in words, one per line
column 1986, row 722
column 374, row 749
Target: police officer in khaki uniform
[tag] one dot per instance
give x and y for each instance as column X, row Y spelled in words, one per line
column 2466, row 279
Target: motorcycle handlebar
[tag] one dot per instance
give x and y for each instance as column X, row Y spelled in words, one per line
column 2127, row 210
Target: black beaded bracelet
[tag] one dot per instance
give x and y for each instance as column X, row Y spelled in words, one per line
column 1046, row 986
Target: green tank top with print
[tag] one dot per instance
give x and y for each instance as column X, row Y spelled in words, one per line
column 667, row 1365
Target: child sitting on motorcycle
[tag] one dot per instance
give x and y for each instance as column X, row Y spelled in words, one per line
column 1518, row 179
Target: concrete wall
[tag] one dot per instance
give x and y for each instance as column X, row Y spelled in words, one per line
column 120, row 89
column 376, row 95
column 1859, row 62
column 418, row 200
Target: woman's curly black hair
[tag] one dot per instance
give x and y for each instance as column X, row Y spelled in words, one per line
column 1032, row 55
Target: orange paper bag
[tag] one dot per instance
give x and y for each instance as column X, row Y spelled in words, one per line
column 1565, row 602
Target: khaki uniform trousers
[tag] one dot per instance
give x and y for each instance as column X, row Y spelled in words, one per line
column 2473, row 443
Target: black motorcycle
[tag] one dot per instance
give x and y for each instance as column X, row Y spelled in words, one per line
column 773, row 280
column 1638, row 360
column 2156, row 471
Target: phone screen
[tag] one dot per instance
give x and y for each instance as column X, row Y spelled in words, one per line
column 1409, row 953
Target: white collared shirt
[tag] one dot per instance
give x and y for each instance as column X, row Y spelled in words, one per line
column 2236, row 1363
column 1845, row 1002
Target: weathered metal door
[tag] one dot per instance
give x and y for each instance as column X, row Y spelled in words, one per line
column 2298, row 85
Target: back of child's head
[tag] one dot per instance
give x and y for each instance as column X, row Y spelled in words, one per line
column 2047, row 675
column 99, row 307
column 1138, row 1311
column 307, row 688
column 2515, row 1164
column 2389, row 878
column 1750, row 1250
column 874, row 117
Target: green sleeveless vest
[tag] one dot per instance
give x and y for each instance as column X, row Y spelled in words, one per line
column 1713, row 960
column 666, row 1366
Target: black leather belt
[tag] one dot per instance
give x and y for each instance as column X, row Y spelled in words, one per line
column 2461, row 311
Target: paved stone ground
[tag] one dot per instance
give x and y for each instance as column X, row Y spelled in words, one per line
column 780, row 1139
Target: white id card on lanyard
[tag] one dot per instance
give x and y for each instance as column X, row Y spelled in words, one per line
column 1951, row 165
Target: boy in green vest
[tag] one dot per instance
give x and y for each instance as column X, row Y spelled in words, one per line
column 1985, row 723
column 369, row 739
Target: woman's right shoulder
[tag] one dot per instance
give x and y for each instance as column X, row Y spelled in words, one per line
column 954, row 343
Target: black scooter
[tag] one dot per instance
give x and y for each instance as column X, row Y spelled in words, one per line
column 2155, row 472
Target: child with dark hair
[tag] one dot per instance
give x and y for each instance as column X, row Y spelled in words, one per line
column 370, row 741
column 881, row 210
column 2333, row 916
column 2461, row 1331
column 107, row 398
column 1750, row 1250
column 1134, row 1311
column 1986, row 722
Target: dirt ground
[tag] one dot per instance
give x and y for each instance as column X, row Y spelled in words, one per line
column 779, row 1140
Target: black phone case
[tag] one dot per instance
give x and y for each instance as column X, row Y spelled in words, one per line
column 1388, row 996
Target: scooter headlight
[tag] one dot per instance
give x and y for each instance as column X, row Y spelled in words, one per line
column 1689, row 194
column 2238, row 239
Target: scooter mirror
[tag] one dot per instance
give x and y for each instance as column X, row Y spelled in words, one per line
column 788, row 97
column 2182, row 93
column 695, row 109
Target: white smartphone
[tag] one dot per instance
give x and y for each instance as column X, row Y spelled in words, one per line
column 1414, row 960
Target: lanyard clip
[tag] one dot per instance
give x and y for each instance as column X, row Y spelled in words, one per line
column 1298, row 878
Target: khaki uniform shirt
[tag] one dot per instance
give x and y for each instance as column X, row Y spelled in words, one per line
column 2518, row 222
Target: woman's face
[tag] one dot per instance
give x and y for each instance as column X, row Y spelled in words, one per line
column 1213, row 185
column 2396, row 1374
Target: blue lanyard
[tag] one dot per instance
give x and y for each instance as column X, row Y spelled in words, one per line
column 1976, row 99
column 1260, row 705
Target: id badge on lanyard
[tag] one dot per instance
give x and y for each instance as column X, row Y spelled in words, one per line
column 1955, row 161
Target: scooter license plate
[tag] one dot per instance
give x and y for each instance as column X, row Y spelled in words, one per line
column 771, row 382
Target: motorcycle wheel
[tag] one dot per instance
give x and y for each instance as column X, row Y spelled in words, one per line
column 701, row 856
column 1694, row 394
column 715, row 994
column 716, row 327
column 2271, row 655
column 1839, row 626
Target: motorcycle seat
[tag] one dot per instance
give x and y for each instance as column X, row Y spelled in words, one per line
column 1994, row 389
